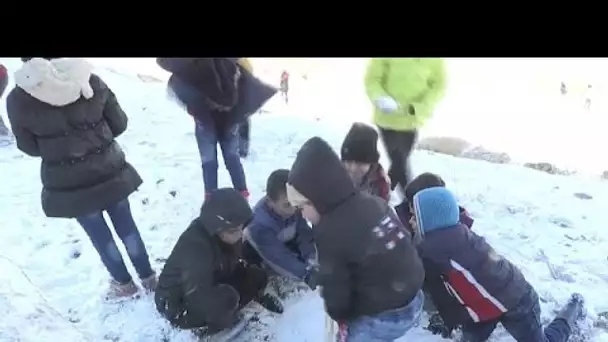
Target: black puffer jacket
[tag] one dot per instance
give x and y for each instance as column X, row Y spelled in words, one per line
column 207, row 88
column 69, row 117
column 200, row 262
column 367, row 260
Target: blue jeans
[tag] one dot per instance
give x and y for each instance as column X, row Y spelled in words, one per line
column 207, row 139
column 98, row 231
column 523, row 323
column 385, row 327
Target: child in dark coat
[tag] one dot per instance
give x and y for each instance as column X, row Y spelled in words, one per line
column 489, row 287
column 446, row 313
column 360, row 157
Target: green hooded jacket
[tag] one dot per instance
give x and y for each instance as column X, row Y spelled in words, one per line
column 419, row 82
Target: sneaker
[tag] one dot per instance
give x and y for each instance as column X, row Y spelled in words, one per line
column 270, row 303
column 149, row 283
column 118, row 290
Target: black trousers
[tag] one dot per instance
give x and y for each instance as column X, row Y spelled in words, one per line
column 399, row 146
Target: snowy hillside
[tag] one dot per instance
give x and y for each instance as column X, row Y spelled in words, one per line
column 51, row 279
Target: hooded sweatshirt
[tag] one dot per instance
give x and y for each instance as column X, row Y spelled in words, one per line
column 66, row 115
column 368, row 264
column 486, row 284
column 192, row 278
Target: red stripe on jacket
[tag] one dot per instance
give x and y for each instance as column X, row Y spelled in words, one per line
column 480, row 304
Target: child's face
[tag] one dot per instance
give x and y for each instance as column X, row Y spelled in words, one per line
column 282, row 207
column 413, row 221
column 231, row 235
column 356, row 170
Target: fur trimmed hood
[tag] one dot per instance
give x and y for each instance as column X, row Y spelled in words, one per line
column 57, row 82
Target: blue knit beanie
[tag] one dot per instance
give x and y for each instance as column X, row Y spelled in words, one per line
column 436, row 208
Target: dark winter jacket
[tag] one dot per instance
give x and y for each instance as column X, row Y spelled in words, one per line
column 193, row 278
column 69, row 117
column 208, row 91
column 448, row 307
column 268, row 234
column 3, row 79
column 486, row 283
column 368, row 264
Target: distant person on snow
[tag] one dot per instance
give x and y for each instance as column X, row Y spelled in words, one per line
column 563, row 89
column 285, row 85
column 370, row 274
column 3, row 83
column 588, row 96
column 62, row 112
column 446, row 313
column 220, row 95
column 279, row 237
column 245, row 127
column 360, row 156
column 404, row 92
column 491, row 289
column 205, row 281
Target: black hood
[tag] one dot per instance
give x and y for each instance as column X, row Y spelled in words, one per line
column 318, row 174
column 224, row 208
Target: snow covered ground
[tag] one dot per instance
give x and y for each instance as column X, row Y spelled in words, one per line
column 51, row 279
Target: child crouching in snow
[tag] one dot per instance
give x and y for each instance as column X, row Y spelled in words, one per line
column 360, row 157
column 445, row 312
column 490, row 288
column 66, row 115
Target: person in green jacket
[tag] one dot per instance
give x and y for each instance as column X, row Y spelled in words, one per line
column 404, row 92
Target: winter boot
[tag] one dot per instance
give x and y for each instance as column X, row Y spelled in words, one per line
column 118, row 290
column 270, row 303
column 573, row 311
column 149, row 283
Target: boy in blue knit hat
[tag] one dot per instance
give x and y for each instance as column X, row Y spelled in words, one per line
column 490, row 288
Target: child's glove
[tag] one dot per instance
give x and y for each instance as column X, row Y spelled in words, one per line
column 386, row 104
column 437, row 326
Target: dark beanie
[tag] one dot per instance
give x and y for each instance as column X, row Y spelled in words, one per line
column 360, row 144
column 423, row 181
column 224, row 208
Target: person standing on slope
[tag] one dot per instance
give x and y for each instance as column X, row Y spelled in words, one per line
column 66, row 115
column 369, row 272
column 490, row 288
column 3, row 84
column 205, row 282
column 285, row 85
column 404, row 93
column 220, row 95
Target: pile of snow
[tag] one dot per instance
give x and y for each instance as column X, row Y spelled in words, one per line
column 551, row 226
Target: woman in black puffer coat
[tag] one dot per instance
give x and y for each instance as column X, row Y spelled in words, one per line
column 66, row 115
